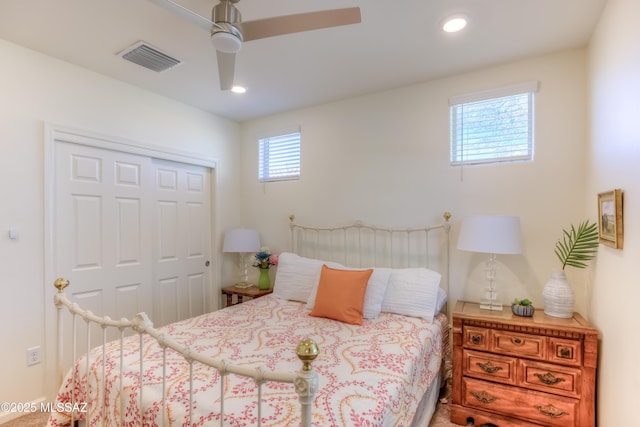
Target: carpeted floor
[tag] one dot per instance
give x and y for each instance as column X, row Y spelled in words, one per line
column 36, row 419
column 441, row 416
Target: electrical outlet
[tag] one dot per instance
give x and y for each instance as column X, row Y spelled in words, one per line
column 33, row 356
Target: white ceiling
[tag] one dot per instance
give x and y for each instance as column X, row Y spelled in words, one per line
column 398, row 43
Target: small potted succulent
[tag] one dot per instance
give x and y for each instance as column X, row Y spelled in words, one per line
column 522, row 307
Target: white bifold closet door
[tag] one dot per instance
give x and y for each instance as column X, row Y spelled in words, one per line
column 132, row 233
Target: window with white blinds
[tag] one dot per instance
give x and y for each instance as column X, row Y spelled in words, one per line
column 493, row 126
column 279, row 157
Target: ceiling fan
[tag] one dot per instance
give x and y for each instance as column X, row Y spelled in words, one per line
column 228, row 32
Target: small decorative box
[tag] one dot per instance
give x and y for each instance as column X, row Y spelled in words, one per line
column 522, row 310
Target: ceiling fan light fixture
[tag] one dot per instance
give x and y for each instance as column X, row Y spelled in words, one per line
column 228, row 32
column 454, row 23
column 226, row 42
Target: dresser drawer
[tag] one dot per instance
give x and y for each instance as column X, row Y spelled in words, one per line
column 534, row 346
column 476, row 338
column 551, row 378
column 547, row 409
column 566, row 352
column 489, row 366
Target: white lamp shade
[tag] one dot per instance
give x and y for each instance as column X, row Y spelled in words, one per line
column 493, row 234
column 241, row 240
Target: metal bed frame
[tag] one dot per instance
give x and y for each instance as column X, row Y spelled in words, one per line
column 305, row 381
column 362, row 245
column 355, row 245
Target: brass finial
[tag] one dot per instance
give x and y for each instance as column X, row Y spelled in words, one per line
column 307, row 351
column 446, row 216
column 292, row 218
column 60, row 284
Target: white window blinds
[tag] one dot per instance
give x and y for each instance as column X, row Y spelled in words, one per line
column 279, row 157
column 493, row 126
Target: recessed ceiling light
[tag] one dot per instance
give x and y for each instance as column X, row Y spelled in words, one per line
column 454, row 24
column 238, row 89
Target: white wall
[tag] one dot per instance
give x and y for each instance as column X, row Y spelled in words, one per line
column 614, row 156
column 35, row 89
column 383, row 159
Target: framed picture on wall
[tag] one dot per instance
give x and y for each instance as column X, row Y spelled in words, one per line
column 610, row 218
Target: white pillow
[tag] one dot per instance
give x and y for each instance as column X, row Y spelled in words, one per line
column 296, row 276
column 412, row 292
column 442, row 298
column 376, row 288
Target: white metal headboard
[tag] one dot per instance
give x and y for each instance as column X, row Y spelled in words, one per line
column 362, row 245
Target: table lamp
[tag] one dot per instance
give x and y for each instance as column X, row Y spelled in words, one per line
column 241, row 241
column 492, row 234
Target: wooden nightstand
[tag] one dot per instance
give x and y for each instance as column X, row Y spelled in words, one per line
column 240, row 293
column 522, row 371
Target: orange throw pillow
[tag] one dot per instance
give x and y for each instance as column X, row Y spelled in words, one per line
column 340, row 294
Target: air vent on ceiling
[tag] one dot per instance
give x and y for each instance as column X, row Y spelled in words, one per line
column 149, row 57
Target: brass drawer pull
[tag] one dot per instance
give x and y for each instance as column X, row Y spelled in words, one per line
column 565, row 353
column 549, row 378
column 517, row 341
column 489, row 367
column 476, row 339
column 551, row 411
column 483, row 396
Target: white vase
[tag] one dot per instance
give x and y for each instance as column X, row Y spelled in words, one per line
column 558, row 296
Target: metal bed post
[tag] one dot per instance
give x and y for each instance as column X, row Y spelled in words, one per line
column 447, row 227
column 306, row 382
column 60, row 284
column 121, row 376
column 88, row 349
column 292, row 237
column 74, row 352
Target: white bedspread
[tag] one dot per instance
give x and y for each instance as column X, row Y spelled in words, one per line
column 370, row 375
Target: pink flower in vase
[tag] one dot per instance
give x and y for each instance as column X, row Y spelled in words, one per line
column 264, row 259
column 273, row 259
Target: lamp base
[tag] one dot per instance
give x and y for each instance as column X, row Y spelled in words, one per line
column 243, row 285
column 490, row 305
column 490, row 300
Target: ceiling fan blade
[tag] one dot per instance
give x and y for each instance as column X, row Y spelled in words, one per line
column 226, row 68
column 280, row 25
column 185, row 13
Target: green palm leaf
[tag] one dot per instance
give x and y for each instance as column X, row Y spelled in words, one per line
column 578, row 245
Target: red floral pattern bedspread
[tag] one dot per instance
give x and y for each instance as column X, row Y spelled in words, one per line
column 370, row 375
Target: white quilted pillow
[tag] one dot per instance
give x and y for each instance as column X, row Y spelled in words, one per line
column 442, row 299
column 412, row 292
column 376, row 290
column 296, row 276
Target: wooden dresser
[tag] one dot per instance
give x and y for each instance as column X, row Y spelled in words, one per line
column 522, row 371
